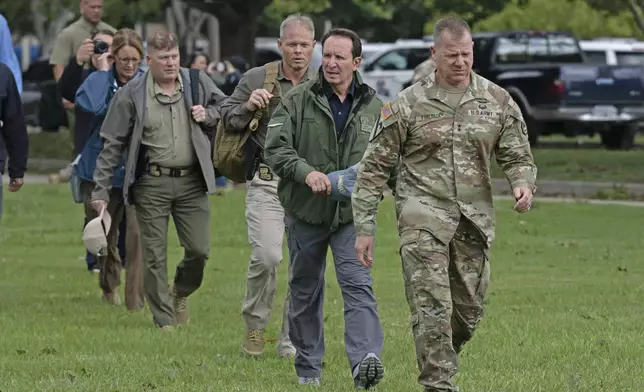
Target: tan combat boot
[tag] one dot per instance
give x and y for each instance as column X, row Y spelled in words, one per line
column 181, row 314
column 254, row 342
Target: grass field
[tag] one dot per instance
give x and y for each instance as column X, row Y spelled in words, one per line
column 564, row 311
column 593, row 165
column 571, row 163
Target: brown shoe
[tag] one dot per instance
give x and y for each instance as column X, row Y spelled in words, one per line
column 112, row 298
column 254, row 342
column 181, row 314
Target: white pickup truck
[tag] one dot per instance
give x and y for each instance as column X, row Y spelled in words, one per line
column 389, row 70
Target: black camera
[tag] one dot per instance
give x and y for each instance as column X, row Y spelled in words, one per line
column 100, row 47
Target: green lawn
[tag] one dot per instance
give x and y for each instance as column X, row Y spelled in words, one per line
column 564, row 311
column 578, row 164
column 594, row 165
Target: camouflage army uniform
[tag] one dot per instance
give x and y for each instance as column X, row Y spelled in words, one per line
column 444, row 139
column 423, row 69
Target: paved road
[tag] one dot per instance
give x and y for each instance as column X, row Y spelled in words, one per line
column 573, row 189
column 575, row 144
column 29, row 179
column 583, row 201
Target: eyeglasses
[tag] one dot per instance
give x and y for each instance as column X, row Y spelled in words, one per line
column 127, row 60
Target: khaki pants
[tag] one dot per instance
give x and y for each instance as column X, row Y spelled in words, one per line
column 445, row 287
column 110, row 265
column 265, row 221
column 186, row 199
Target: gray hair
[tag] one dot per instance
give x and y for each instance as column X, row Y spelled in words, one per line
column 453, row 24
column 297, row 18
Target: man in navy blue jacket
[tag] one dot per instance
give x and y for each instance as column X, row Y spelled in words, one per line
column 13, row 132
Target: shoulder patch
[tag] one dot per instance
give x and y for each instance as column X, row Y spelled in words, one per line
column 386, row 120
column 386, row 111
column 388, row 114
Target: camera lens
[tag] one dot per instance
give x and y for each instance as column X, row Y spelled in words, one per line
column 100, row 47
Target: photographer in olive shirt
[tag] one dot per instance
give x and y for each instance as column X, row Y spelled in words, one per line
column 168, row 168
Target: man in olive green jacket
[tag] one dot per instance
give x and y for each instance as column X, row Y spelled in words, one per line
column 168, row 170
column 321, row 126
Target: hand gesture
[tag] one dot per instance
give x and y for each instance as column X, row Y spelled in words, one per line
column 364, row 250
column 523, row 196
column 258, row 99
column 85, row 52
column 319, row 182
column 103, row 63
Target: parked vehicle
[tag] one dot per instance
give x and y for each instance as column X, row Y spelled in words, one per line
column 613, row 51
column 558, row 91
column 369, row 49
column 388, row 71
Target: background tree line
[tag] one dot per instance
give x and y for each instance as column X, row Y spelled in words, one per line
column 375, row 20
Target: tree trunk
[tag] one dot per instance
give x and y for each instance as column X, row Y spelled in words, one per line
column 238, row 37
column 188, row 25
column 635, row 9
column 238, row 21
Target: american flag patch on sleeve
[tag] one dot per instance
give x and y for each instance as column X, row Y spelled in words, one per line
column 386, row 111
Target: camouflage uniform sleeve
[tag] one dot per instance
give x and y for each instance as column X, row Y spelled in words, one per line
column 378, row 163
column 393, row 178
column 512, row 150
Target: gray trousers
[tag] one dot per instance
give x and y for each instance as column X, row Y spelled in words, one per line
column 308, row 246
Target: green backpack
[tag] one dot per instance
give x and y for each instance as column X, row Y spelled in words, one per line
column 235, row 153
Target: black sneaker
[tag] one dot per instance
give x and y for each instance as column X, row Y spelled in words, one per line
column 368, row 372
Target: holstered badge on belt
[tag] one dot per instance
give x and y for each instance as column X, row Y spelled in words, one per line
column 265, row 173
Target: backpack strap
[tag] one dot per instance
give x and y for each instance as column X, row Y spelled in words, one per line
column 272, row 70
column 194, row 84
